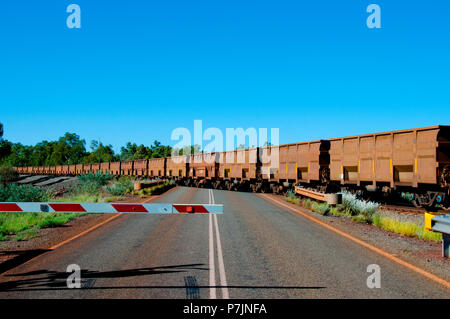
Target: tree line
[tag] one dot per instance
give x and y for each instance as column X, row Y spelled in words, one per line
column 71, row 149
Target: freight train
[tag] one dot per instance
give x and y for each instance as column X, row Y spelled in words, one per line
column 414, row 161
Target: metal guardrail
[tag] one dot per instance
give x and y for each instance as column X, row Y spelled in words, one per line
column 331, row 199
column 440, row 224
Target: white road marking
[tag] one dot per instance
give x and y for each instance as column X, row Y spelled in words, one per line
column 223, row 277
column 212, row 270
column 212, row 197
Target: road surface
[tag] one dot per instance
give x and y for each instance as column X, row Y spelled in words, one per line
column 256, row 249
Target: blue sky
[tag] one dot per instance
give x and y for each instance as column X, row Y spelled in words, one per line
column 136, row 70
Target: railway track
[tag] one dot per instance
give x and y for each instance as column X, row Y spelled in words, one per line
column 405, row 209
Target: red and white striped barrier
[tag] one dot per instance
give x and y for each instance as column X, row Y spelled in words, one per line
column 38, row 207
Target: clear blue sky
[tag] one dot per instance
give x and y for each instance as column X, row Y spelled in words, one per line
column 138, row 69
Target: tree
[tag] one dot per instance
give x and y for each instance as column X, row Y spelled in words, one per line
column 5, row 146
column 69, row 149
column 42, row 152
column 135, row 152
column 5, row 150
column 19, row 155
column 100, row 153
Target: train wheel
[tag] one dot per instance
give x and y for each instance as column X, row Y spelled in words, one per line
column 265, row 189
column 275, row 189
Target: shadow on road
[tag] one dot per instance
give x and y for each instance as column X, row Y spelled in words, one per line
column 21, row 256
column 46, row 279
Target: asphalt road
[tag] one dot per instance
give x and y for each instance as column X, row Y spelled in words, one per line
column 261, row 250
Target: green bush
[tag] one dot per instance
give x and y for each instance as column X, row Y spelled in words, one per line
column 23, row 193
column 321, row 208
column 92, row 183
column 98, row 178
column 307, row 203
column 356, row 207
column 290, row 193
column 121, row 187
column 292, row 197
column 7, row 174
